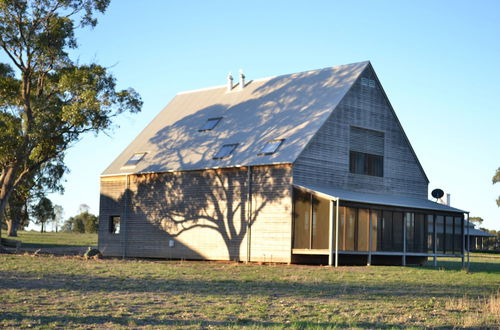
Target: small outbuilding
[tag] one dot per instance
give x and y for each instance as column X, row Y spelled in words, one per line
column 306, row 167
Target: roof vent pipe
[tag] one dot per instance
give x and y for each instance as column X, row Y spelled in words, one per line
column 448, row 199
column 242, row 79
column 229, row 82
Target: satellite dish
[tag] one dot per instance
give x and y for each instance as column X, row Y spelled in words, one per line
column 437, row 193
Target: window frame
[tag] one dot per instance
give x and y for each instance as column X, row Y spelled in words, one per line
column 206, row 128
column 369, row 163
column 226, row 155
column 275, row 150
column 131, row 162
column 112, row 228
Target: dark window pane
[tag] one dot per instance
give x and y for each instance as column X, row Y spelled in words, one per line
column 362, row 163
column 210, row 124
column 225, row 151
column 135, row 159
column 271, row 147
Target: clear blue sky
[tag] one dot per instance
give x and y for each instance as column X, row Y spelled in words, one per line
column 439, row 62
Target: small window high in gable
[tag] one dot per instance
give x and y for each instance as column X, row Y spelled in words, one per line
column 210, row 124
column 135, row 159
column 271, row 147
column 225, row 151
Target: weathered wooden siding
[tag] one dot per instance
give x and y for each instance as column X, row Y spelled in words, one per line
column 199, row 214
column 111, row 204
column 325, row 161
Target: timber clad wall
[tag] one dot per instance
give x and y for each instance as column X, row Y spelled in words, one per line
column 325, row 161
column 203, row 214
column 111, row 204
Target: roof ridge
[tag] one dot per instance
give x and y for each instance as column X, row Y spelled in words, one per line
column 267, row 78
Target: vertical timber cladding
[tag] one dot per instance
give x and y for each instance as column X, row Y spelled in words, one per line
column 111, row 204
column 325, row 161
column 204, row 214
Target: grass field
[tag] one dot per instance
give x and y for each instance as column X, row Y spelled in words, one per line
column 33, row 239
column 47, row 291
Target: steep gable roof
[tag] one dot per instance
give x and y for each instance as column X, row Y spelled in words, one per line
column 291, row 107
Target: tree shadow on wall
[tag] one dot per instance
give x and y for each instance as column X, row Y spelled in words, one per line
column 216, row 200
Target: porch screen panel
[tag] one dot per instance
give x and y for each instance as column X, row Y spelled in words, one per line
column 440, row 229
column 410, row 231
column 321, row 225
column 458, row 235
column 342, row 211
column 430, row 233
column 350, row 229
column 449, row 234
column 421, row 228
column 376, row 216
column 385, row 240
column 363, row 229
column 302, row 214
column 397, row 231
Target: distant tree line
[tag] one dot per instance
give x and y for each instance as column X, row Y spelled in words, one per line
column 84, row 222
column 44, row 213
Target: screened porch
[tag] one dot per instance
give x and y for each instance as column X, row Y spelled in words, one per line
column 407, row 230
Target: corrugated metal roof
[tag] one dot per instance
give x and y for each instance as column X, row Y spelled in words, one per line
column 379, row 199
column 478, row 232
column 290, row 107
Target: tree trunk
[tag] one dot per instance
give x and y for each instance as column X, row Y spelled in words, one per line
column 41, row 230
column 12, row 226
column 6, row 188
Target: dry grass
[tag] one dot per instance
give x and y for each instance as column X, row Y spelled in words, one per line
column 70, row 292
column 476, row 312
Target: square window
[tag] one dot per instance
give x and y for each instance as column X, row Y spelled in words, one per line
column 363, row 163
column 135, row 159
column 271, row 147
column 210, row 124
column 114, row 224
column 225, row 151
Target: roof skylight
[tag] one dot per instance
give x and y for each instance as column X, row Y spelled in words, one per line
column 271, row 147
column 135, row 159
column 210, row 124
column 225, row 151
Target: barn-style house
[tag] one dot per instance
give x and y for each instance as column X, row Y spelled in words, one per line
column 306, row 167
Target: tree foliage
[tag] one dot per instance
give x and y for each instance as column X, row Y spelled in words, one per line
column 84, row 222
column 496, row 178
column 43, row 212
column 477, row 220
column 46, row 100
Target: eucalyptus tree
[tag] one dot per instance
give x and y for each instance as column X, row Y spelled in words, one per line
column 496, row 178
column 47, row 100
